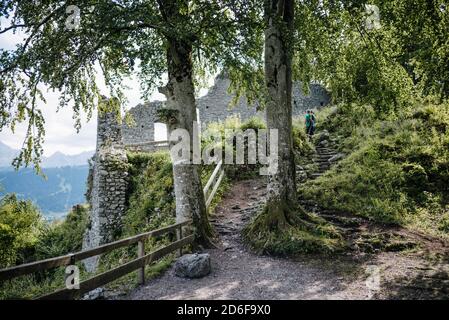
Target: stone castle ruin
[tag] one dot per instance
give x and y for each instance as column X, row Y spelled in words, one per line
column 108, row 176
column 107, row 185
column 214, row 106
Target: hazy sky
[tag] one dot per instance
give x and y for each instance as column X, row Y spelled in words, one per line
column 60, row 133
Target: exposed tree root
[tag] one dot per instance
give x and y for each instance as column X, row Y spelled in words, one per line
column 288, row 230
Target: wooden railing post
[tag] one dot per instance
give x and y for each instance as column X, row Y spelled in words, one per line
column 140, row 254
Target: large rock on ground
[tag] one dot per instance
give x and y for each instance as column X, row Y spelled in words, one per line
column 193, row 266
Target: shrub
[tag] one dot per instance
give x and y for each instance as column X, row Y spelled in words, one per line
column 240, row 171
column 21, row 225
column 26, row 237
column 63, row 237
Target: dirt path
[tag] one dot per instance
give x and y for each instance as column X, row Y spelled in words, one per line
column 239, row 274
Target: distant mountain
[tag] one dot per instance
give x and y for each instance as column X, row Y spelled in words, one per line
column 60, row 159
column 56, row 160
column 7, row 154
column 65, row 185
column 56, row 195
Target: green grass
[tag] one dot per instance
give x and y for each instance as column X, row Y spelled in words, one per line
column 397, row 169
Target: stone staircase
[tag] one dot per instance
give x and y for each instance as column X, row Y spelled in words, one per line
column 360, row 233
column 324, row 158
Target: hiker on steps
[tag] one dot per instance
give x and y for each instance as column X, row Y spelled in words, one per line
column 310, row 124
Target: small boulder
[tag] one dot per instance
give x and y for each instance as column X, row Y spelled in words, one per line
column 323, row 144
column 337, row 157
column 193, row 266
column 95, row 294
column 323, row 135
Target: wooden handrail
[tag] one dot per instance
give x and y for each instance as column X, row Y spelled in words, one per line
column 111, row 275
column 118, row 272
column 212, row 177
column 210, row 183
column 215, row 189
column 13, row 272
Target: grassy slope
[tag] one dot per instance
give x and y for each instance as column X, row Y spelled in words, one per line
column 396, row 169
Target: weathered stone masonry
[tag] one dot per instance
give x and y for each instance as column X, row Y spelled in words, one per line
column 108, row 176
column 215, row 107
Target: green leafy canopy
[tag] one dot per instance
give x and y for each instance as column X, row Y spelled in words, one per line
column 67, row 53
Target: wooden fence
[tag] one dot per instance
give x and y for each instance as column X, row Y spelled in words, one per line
column 137, row 264
column 213, row 184
column 104, row 278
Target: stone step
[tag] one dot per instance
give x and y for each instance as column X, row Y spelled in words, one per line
column 315, row 175
column 330, row 154
column 326, row 153
column 321, row 161
column 324, row 156
column 326, row 150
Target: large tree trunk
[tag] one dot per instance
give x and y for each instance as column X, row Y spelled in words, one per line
column 279, row 16
column 180, row 93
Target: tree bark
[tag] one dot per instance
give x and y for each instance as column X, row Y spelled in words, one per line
column 180, row 93
column 279, row 15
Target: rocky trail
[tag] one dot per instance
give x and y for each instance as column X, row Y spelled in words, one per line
column 382, row 262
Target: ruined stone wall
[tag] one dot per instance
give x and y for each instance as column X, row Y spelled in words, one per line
column 144, row 117
column 108, row 186
column 215, row 107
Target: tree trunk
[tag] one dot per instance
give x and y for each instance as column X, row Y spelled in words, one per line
column 180, row 93
column 279, row 16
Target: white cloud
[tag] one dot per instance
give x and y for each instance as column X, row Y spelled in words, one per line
column 59, row 126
